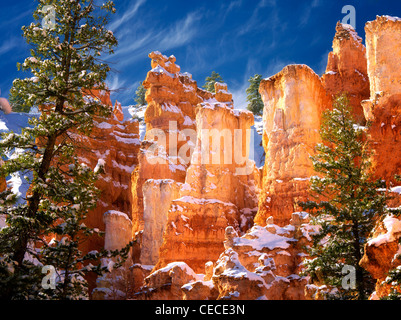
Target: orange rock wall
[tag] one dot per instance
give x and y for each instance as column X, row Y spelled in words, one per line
column 294, row 100
column 217, row 191
column 347, row 69
column 172, row 97
column 117, row 144
column 383, row 111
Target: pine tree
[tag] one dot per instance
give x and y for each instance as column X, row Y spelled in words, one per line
column 347, row 206
column 65, row 63
column 211, row 80
column 394, row 279
column 18, row 104
column 255, row 103
column 140, row 95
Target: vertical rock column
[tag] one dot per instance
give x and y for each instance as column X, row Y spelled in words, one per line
column 346, row 70
column 116, row 284
column 172, row 97
column 157, row 195
column 383, row 109
column 293, row 102
column 118, row 230
column 217, row 186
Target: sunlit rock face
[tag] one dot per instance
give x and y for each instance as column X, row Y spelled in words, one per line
column 114, row 144
column 383, row 111
column 294, row 100
column 158, row 195
column 166, row 150
column 383, row 49
column 115, row 284
column 346, row 70
column 5, row 106
column 220, row 188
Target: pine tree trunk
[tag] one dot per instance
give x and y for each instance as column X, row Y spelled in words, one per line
column 34, row 201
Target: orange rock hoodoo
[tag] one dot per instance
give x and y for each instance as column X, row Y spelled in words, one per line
column 200, row 199
column 193, row 205
column 115, row 144
column 294, row 100
column 166, row 150
column 217, row 192
column 383, row 111
column 347, row 69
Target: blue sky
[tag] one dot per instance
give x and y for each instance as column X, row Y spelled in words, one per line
column 236, row 38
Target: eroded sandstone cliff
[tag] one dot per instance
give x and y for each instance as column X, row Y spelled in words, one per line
column 383, row 111
column 220, row 189
column 294, row 100
column 114, row 144
column 194, row 202
column 346, row 70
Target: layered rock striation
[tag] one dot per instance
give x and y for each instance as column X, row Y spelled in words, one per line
column 220, row 188
column 166, row 150
column 114, row 144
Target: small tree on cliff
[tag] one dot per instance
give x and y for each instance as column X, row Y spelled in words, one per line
column 140, row 95
column 349, row 205
column 211, row 80
column 255, row 103
column 46, row 227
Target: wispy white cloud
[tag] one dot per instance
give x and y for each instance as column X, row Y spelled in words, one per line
column 321, row 67
column 136, row 45
column 129, row 14
column 124, row 87
column 233, row 5
column 306, row 13
column 225, row 9
column 9, row 45
column 182, row 32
